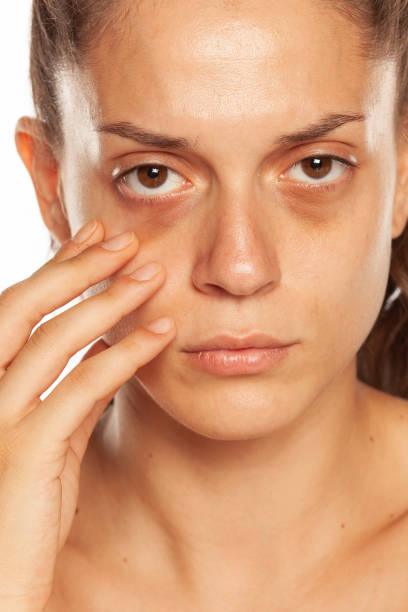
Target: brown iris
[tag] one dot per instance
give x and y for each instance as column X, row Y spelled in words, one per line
column 152, row 175
column 318, row 167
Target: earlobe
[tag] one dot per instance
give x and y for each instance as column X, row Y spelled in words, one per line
column 42, row 165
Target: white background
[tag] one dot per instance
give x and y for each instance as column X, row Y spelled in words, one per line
column 23, row 236
column 24, row 239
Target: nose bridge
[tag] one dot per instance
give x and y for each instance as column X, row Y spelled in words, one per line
column 236, row 251
column 237, row 222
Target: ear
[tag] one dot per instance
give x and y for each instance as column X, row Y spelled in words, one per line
column 400, row 211
column 43, row 167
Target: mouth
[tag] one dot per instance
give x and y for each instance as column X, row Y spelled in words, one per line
column 228, row 355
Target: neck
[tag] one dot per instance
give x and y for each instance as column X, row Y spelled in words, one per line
column 257, row 504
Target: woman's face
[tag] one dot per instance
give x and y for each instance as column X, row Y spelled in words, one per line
column 251, row 239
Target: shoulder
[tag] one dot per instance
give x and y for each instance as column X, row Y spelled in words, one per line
column 380, row 554
column 388, row 415
column 384, row 456
column 388, row 450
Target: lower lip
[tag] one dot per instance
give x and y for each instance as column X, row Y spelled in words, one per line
column 242, row 361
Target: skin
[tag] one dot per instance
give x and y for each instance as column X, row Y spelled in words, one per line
column 190, row 474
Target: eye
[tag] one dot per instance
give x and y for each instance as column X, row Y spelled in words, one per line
column 151, row 179
column 317, row 167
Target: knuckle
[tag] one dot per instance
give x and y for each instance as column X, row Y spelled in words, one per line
column 82, row 375
column 76, row 268
column 42, row 335
column 67, row 250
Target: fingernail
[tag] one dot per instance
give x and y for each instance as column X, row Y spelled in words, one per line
column 146, row 272
column 160, row 326
column 85, row 232
column 118, row 242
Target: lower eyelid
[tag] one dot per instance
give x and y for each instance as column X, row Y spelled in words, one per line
column 128, row 194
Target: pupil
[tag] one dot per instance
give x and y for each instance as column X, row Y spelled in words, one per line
column 153, row 172
column 319, row 162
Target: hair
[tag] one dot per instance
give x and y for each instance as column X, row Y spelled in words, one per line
column 62, row 33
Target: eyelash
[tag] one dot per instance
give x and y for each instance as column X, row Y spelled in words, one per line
column 328, row 186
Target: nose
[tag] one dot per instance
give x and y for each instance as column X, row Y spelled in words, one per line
column 235, row 253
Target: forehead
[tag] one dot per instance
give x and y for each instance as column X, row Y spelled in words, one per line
column 225, row 61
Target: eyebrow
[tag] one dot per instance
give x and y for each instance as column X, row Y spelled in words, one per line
column 323, row 126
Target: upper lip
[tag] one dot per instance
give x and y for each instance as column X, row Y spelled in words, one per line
column 227, row 341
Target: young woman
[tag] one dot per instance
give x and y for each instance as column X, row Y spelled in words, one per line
column 238, row 170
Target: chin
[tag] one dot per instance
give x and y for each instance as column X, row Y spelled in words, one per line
column 219, row 408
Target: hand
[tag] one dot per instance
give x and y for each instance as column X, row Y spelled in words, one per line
column 42, row 443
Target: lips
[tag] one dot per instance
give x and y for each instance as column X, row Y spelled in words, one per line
column 235, row 342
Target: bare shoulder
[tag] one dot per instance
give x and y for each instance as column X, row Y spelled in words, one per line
column 388, row 413
column 388, row 447
column 371, row 572
column 82, row 584
column 388, row 434
column 382, row 476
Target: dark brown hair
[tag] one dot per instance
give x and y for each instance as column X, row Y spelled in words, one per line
column 64, row 30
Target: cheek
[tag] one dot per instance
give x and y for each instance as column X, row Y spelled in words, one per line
column 350, row 281
column 173, row 298
column 372, row 272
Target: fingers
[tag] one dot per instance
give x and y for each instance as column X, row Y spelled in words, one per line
column 91, row 233
column 68, row 275
column 79, row 440
column 51, row 346
column 97, row 347
column 63, row 411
